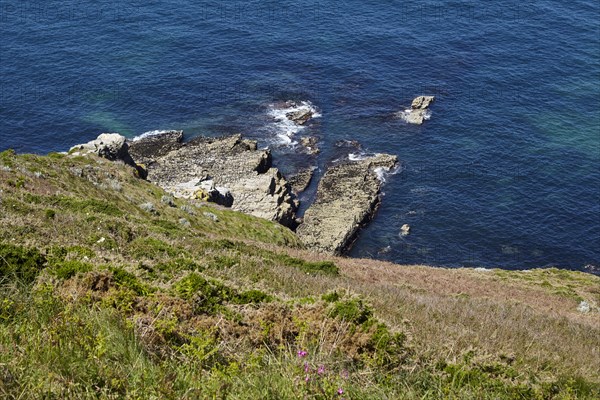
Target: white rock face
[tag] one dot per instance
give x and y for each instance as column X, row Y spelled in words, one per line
column 111, row 146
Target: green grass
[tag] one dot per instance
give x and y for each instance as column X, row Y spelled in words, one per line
column 100, row 299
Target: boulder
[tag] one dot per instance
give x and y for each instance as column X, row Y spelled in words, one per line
column 422, row 102
column 347, row 198
column 111, row 146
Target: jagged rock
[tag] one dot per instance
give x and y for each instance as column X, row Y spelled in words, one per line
column 310, row 143
column 230, row 171
column 301, row 179
column 422, row 102
column 301, row 115
column 418, row 111
column 405, row 230
column 347, row 198
column 111, row 146
column 348, row 144
column 208, row 192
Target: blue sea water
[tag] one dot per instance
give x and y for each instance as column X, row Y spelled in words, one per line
column 506, row 173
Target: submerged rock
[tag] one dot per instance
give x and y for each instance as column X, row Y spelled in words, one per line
column 347, row 198
column 310, row 144
column 230, row 171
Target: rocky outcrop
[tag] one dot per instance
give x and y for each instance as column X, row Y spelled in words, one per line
column 230, row 171
column 347, row 197
column 111, row 146
column 418, row 111
column 422, row 102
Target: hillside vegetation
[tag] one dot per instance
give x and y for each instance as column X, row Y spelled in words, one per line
column 111, row 289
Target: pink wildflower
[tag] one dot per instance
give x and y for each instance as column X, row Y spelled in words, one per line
column 302, row 353
column 321, row 369
column 340, row 391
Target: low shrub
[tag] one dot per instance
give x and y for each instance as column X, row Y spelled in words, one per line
column 20, row 262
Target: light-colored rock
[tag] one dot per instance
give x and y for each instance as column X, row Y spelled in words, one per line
column 149, row 207
column 422, row 102
column 230, row 171
column 418, row 111
column 211, row 216
column 405, row 230
column 168, row 200
column 347, row 198
column 416, row 117
column 111, row 146
column 184, row 222
column 584, row 307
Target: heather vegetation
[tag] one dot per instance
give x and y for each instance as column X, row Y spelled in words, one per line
column 103, row 298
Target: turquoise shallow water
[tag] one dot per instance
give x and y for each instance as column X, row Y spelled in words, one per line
column 505, row 174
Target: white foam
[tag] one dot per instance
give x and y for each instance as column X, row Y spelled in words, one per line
column 383, row 172
column 405, row 115
column 149, row 133
column 357, row 156
column 285, row 129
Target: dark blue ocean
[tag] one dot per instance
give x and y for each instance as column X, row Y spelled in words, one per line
column 506, row 173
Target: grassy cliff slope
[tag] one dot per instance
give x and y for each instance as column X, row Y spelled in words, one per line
column 109, row 288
